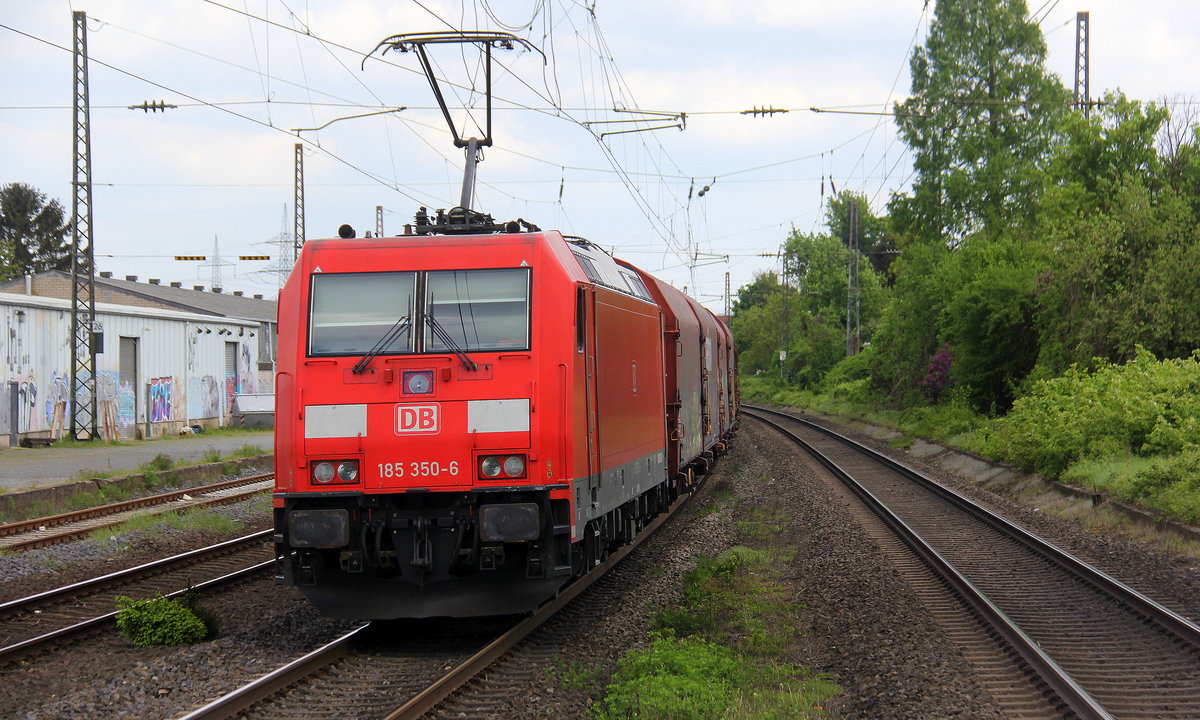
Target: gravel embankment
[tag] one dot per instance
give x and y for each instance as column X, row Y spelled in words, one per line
column 864, row 627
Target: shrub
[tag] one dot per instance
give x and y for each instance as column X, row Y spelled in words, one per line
column 1144, row 407
column 159, row 620
column 937, row 381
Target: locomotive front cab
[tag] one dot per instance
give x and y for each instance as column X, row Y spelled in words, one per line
column 414, row 474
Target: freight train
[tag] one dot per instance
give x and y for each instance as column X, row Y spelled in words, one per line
column 467, row 422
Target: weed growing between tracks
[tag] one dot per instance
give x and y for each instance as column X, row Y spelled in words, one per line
column 159, row 620
column 726, row 650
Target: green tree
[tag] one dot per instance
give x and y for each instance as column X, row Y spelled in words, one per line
column 756, row 293
column 982, row 117
column 1123, row 220
column 33, row 232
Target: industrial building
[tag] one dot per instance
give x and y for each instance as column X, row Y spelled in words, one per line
column 167, row 357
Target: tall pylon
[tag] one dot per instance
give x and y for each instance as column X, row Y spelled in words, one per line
column 216, row 263
column 853, row 291
column 1083, row 97
column 83, row 263
column 298, row 202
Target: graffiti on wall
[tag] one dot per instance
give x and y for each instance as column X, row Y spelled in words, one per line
column 247, row 377
column 203, row 397
column 58, row 396
column 126, row 404
column 161, row 398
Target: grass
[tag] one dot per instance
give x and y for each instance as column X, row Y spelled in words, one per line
column 723, row 652
column 727, row 649
column 200, row 520
column 108, row 493
column 1166, row 484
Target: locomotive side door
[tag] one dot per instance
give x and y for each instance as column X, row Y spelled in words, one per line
column 587, row 296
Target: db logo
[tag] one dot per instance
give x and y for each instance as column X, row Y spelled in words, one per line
column 414, row 419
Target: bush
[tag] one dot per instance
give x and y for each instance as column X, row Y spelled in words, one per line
column 1144, row 407
column 159, row 620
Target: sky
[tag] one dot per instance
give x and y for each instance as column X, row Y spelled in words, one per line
column 251, row 78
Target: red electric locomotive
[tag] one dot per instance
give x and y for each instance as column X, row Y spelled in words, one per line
column 468, row 416
column 466, row 422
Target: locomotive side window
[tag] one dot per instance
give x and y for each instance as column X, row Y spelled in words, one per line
column 351, row 313
column 479, row 309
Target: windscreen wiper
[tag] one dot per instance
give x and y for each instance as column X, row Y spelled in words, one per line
column 388, row 338
column 448, row 341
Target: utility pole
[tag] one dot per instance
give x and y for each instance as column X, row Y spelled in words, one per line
column 378, row 221
column 1083, row 97
column 726, row 293
column 83, row 264
column 853, row 329
column 783, row 315
column 298, row 203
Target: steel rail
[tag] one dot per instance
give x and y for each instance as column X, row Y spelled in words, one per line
column 240, row 700
column 12, row 652
column 21, row 526
column 1171, row 621
column 12, row 606
column 1060, row 682
column 125, row 506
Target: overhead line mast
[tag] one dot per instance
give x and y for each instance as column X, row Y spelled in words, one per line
column 83, row 263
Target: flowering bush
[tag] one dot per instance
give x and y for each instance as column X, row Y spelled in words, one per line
column 937, row 379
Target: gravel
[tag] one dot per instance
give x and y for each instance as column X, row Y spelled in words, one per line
column 864, row 626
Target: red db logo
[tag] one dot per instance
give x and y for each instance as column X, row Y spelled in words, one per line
column 418, row 419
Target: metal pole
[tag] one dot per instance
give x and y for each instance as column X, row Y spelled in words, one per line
column 83, row 264
column 468, row 187
column 1083, row 97
column 298, row 202
column 852, row 286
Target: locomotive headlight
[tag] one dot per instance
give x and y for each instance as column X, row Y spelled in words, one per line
column 490, row 467
column 418, row 382
column 323, row 472
column 347, row 471
column 514, row 466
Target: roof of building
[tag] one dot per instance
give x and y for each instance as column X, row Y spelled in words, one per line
column 102, row 308
column 175, row 295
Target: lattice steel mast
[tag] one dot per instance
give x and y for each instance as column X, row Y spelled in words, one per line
column 83, row 282
column 1083, row 95
column 298, row 203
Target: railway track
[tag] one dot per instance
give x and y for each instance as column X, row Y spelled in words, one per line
column 42, row 532
column 410, row 677
column 32, row 624
column 1078, row 642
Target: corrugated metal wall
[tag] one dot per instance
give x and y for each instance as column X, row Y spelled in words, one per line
column 155, row 368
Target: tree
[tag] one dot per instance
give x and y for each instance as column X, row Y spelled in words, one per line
column 33, row 232
column 1123, row 220
column 982, row 117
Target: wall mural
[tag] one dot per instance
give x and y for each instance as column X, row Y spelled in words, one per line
column 161, row 399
